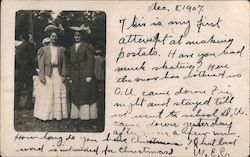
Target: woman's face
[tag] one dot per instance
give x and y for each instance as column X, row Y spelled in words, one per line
column 77, row 37
column 53, row 37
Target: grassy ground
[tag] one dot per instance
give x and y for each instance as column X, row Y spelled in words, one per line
column 26, row 122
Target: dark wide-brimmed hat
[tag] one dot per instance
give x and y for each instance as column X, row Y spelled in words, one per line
column 81, row 28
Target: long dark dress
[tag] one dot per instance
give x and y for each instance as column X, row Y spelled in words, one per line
column 82, row 66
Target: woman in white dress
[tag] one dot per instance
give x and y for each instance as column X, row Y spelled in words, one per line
column 51, row 91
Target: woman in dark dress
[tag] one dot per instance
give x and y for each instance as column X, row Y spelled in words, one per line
column 82, row 61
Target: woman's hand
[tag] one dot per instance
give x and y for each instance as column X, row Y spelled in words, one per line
column 43, row 82
column 68, row 79
column 63, row 79
column 88, row 79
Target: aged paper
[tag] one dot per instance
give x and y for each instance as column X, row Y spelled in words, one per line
column 176, row 82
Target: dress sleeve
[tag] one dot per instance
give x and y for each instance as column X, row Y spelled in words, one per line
column 40, row 59
column 68, row 63
column 18, row 58
column 64, row 61
column 90, row 60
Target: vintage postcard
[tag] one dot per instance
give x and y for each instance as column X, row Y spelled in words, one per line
column 125, row 78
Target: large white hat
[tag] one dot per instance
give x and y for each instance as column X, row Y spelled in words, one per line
column 51, row 28
column 81, row 28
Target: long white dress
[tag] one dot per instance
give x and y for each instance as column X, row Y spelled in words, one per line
column 50, row 101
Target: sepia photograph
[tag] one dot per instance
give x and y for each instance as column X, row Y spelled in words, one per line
column 59, row 71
